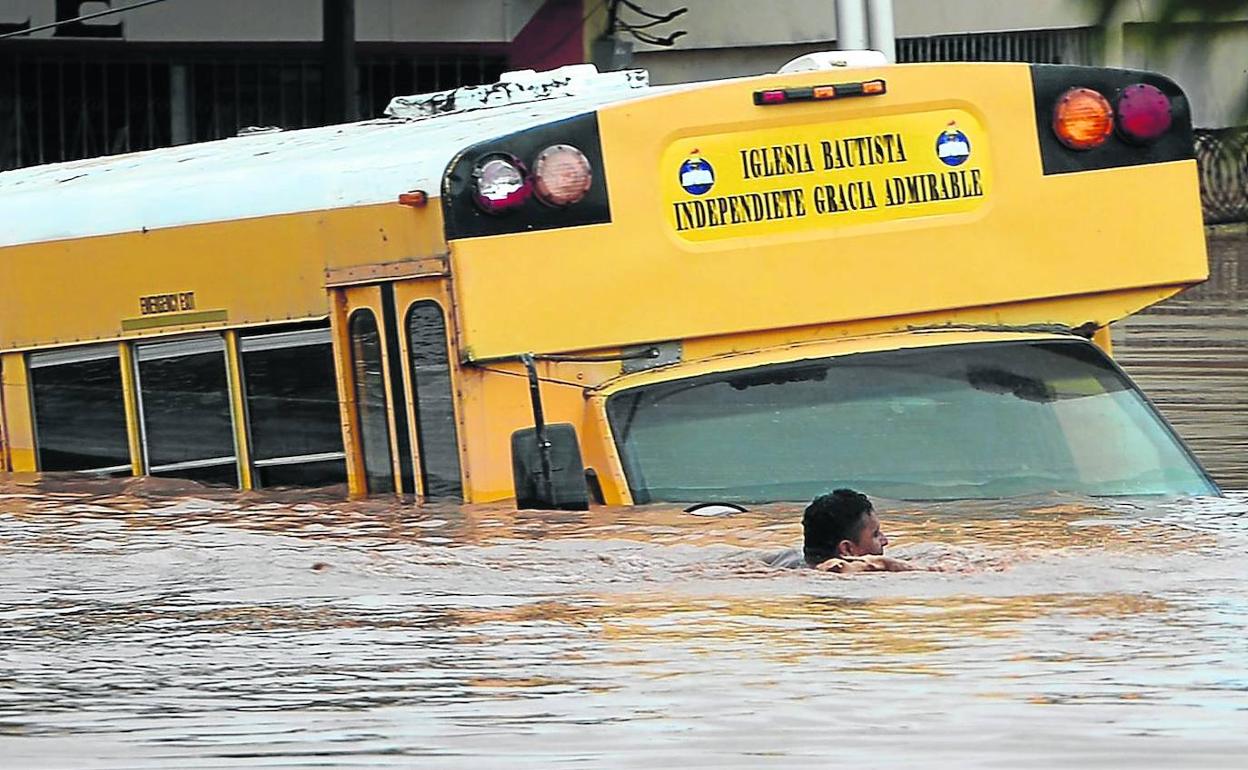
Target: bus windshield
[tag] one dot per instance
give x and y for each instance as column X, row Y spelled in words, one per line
column 974, row 420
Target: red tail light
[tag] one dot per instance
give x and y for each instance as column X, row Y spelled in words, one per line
column 1143, row 113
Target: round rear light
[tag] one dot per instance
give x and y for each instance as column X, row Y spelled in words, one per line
column 1143, row 112
column 1083, row 119
column 562, row 175
column 502, row 184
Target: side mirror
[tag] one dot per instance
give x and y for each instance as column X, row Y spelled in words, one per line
column 565, row 490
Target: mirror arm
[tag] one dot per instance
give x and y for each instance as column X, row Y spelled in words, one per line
column 539, row 422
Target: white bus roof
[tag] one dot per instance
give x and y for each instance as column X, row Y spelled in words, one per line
column 278, row 172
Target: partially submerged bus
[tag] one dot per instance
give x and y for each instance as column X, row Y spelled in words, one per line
column 572, row 287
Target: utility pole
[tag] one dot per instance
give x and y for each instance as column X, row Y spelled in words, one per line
column 880, row 22
column 338, row 59
column 851, row 25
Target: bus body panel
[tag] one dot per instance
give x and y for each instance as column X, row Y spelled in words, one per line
column 1065, row 407
column 638, row 279
column 497, row 400
column 19, row 428
column 1018, row 252
column 208, row 276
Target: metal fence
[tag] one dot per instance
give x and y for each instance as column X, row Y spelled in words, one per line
column 1222, row 154
column 58, row 106
column 1078, row 45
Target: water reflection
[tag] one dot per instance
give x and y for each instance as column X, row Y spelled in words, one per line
column 154, row 624
column 1190, row 354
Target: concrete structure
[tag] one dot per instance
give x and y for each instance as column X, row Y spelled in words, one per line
column 185, row 70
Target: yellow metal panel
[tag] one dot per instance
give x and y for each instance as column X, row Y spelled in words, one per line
column 1103, row 341
column 496, row 399
column 405, row 294
column 18, row 420
column 238, row 273
column 4, row 441
column 406, row 411
column 1031, row 239
column 5, row 464
column 347, row 408
column 424, row 267
column 816, row 349
column 130, row 397
column 238, row 410
column 600, row 454
column 1096, row 310
column 369, row 298
column 496, row 404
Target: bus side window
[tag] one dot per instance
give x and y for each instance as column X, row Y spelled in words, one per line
column 185, row 408
column 434, row 401
column 79, row 410
column 370, row 401
column 292, row 408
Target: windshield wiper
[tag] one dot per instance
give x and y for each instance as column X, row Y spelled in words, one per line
column 1017, row 385
column 779, row 377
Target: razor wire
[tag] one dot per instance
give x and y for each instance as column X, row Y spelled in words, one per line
column 1222, row 156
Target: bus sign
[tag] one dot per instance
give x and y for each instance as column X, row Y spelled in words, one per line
column 825, row 175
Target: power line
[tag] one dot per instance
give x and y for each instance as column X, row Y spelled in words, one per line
column 84, row 17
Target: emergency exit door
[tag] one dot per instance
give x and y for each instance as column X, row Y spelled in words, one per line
column 401, row 417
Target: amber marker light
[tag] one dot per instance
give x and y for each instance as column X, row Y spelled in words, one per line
column 1083, row 119
column 819, row 93
column 414, row 198
column 562, row 175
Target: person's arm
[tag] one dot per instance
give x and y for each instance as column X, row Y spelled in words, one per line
column 889, row 564
column 848, row 566
column 839, row 566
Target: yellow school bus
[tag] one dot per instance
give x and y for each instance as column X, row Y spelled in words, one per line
column 573, row 287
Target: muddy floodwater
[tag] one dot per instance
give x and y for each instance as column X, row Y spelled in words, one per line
column 160, row 624
column 150, row 627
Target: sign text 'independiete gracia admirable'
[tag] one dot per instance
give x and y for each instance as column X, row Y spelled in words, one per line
column 824, row 175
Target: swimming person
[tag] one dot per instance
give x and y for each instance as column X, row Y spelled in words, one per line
column 842, row 534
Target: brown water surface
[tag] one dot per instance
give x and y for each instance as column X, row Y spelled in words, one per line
column 152, row 628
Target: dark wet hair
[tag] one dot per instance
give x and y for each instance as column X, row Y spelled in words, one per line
column 831, row 518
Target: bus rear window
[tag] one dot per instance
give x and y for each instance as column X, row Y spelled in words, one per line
column 983, row 420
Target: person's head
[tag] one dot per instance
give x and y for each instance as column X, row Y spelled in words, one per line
column 840, row 524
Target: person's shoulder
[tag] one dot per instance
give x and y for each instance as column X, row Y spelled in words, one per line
column 789, row 558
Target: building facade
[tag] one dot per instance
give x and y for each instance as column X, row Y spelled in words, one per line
column 186, row 70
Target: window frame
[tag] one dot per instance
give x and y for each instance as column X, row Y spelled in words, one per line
column 711, row 368
column 159, row 348
column 258, row 340
column 44, row 359
column 355, row 381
